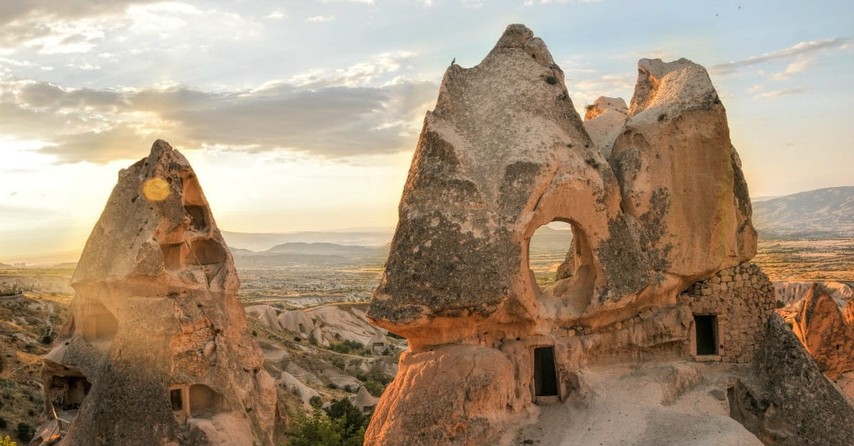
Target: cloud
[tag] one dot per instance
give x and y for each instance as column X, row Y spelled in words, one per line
column 275, row 15
column 801, row 63
column 801, row 50
column 18, row 10
column 360, row 74
column 65, row 26
column 778, row 93
column 332, row 121
column 320, row 19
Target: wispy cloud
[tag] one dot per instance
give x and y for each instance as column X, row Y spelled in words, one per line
column 778, row 93
column 275, row 15
column 320, row 19
column 359, row 74
column 801, row 50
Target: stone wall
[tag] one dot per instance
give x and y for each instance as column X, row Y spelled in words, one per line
column 742, row 298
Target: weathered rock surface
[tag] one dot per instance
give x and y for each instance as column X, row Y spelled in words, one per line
column 604, row 120
column 446, row 396
column 790, row 293
column 790, row 402
column 327, row 324
column 157, row 350
column 823, row 331
column 658, row 263
column 680, row 175
column 503, row 153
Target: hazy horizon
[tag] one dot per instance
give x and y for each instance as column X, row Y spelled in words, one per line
column 305, row 116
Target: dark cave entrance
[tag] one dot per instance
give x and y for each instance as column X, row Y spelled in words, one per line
column 545, row 373
column 706, row 331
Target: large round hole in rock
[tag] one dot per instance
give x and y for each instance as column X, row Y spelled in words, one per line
column 561, row 262
column 550, row 253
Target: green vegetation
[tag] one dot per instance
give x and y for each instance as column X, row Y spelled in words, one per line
column 375, row 388
column 6, row 441
column 348, row 347
column 25, row 432
column 342, row 424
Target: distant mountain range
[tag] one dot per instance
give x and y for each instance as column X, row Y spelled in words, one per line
column 301, row 253
column 825, row 212
column 263, row 241
column 821, row 213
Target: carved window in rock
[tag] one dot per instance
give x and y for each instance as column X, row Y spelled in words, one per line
column 98, row 324
column 204, row 401
column 706, row 334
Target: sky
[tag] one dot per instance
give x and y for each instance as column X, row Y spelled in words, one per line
column 304, row 115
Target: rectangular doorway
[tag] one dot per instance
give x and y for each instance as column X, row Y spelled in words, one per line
column 545, row 374
column 706, row 327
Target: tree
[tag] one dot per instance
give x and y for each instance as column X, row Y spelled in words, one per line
column 341, row 425
column 25, row 432
column 315, row 430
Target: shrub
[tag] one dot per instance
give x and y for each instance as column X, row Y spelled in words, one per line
column 352, row 419
column 341, row 425
column 338, row 362
column 375, row 388
column 315, row 430
column 25, row 432
column 6, row 441
column 315, row 402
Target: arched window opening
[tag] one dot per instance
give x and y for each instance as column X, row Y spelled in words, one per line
column 550, row 253
column 561, row 264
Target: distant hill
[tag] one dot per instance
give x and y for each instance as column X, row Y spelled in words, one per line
column 263, row 241
column 300, row 253
column 5, row 266
column 825, row 212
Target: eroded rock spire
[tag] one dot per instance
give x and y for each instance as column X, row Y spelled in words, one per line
column 157, row 351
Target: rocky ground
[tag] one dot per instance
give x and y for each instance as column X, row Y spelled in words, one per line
column 330, row 367
column 643, row 405
column 28, row 322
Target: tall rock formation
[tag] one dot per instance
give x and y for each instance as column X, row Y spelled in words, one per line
column 824, row 332
column 157, row 351
column 681, row 177
column 503, row 153
column 604, row 120
column 790, row 403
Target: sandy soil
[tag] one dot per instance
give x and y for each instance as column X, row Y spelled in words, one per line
column 678, row 403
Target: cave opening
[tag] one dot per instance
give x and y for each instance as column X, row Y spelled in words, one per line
column 204, row 401
column 545, row 373
column 706, row 334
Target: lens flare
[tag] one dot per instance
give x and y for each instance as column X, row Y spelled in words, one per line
column 155, row 189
